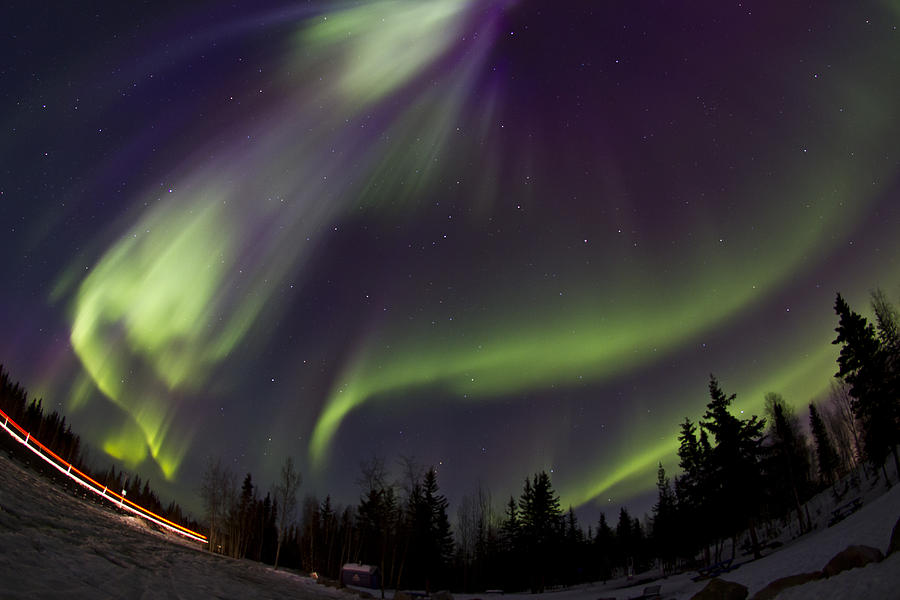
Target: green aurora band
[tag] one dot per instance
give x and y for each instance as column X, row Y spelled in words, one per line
column 168, row 303
column 625, row 324
column 177, row 294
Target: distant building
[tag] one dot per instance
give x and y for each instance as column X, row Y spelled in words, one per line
column 360, row 575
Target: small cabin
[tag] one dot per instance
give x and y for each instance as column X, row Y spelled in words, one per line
column 360, row 575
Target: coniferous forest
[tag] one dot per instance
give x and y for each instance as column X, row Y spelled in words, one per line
column 53, row 431
column 739, row 482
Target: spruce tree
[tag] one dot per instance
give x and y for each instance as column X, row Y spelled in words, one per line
column 430, row 540
column 540, row 526
column 440, row 546
column 664, row 532
column 571, row 557
column 735, row 461
column 625, row 550
column 864, row 364
column 888, row 327
column 789, row 462
column 509, row 530
column 825, row 453
column 509, row 544
column 603, row 542
column 693, row 489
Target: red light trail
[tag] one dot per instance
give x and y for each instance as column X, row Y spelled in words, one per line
column 66, row 468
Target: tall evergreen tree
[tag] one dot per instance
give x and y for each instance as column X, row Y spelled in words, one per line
column 573, row 551
column 431, row 542
column 735, row 460
column 665, row 534
column 625, row 542
column 329, row 528
column 693, row 489
column 509, row 545
column 864, row 365
column 825, row 454
column 789, row 461
column 888, row 327
column 509, row 530
column 377, row 526
column 540, row 527
column 603, row 542
column 245, row 516
column 441, row 539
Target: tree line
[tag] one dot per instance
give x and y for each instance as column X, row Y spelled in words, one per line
column 52, row 430
column 57, row 435
column 741, row 481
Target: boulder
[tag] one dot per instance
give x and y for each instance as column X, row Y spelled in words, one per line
column 442, row 595
column 719, row 589
column 895, row 538
column 850, row 558
column 773, row 589
column 401, row 595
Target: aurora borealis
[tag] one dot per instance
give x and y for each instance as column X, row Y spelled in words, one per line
column 496, row 235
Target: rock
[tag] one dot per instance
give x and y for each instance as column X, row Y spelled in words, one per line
column 719, row 589
column 442, row 595
column 895, row 539
column 773, row 589
column 401, row 595
column 850, row 558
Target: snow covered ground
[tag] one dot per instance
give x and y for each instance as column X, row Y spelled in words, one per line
column 870, row 526
column 53, row 545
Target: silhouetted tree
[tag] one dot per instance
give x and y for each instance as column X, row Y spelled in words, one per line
column 864, row 364
column 735, row 462
column 843, row 427
column 626, row 542
column 509, row 544
column 540, row 526
column 573, row 554
column 693, row 490
column 665, row 522
column 789, row 460
column 286, row 496
column 826, row 457
column 217, row 491
column 888, row 327
column 431, row 547
column 603, row 542
column 330, row 536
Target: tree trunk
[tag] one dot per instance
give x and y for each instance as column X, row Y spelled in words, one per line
column 754, row 541
column 804, row 527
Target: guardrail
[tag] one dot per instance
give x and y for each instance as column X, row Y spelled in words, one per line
column 67, row 469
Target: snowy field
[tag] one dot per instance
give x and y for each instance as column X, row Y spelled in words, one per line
column 53, row 545
column 870, row 526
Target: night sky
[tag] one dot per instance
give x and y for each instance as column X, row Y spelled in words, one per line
column 497, row 236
